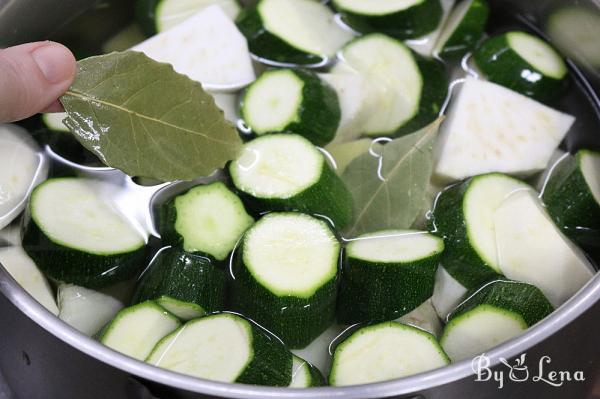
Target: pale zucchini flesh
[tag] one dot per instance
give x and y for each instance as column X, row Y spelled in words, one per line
column 537, row 53
column 170, row 13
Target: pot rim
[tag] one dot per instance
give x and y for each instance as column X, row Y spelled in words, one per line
column 565, row 314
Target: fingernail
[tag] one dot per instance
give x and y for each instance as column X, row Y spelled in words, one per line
column 55, row 61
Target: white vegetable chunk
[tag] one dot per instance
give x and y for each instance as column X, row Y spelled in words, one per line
column 317, row 352
column 25, row 272
column 84, row 309
column 532, row 249
column 228, row 103
column 493, row 129
column 447, row 293
column 207, row 48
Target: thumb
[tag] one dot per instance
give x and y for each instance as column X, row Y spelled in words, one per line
column 32, row 77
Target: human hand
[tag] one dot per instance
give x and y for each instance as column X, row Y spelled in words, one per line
column 32, row 77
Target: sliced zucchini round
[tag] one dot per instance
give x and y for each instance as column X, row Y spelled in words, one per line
column 523, row 63
column 293, row 101
column 286, row 172
column 408, row 90
column 185, row 284
column 299, row 32
column 532, row 249
column 383, row 352
column 305, row 375
column 480, row 329
column 224, row 347
column 464, row 216
column 207, row 219
column 135, row 330
column 155, row 16
column 403, row 19
column 387, row 274
column 53, row 121
column 572, row 197
column 75, row 236
column 463, row 29
column 286, row 275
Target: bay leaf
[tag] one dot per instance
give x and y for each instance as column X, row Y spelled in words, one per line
column 345, row 153
column 142, row 117
column 389, row 187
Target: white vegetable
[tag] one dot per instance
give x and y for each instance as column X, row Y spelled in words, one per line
column 84, row 309
column 533, row 250
column 228, row 103
column 317, row 352
column 25, row 272
column 493, row 129
column 207, row 48
column 447, row 293
column 423, row 317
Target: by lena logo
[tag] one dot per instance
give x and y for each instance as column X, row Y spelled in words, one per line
column 520, row 372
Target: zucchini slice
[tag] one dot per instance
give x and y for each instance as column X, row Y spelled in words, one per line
column 403, row 19
column 86, row 310
column 387, row 274
column 532, row 249
column 285, row 172
column 22, row 167
column 75, row 236
column 463, row 29
column 208, row 48
column 383, row 352
column 572, row 197
column 305, row 375
column 137, row 329
column 187, row 285
column 464, row 217
column 490, row 128
column 53, row 121
column 190, row 220
column 302, row 32
column 508, row 307
column 286, row 275
column 408, row 90
column 523, row 63
column 25, row 272
column 447, row 293
column 294, row 101
column 225, row 347
column 155, row 16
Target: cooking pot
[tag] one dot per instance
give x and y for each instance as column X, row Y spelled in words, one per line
column 42, row 357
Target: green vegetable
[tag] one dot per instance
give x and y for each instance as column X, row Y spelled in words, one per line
column 463, row 29
column 523, row 63
column 389, row 190
column 135, row 330
column 285, row 276
column 76, row 237
column 384, row 351
column 186, row 285
column 387, row 274
column 294, row 101
column 140, row 116
column 305, row 375
column 285, row 172
column 225, row 347
column 464, row 217
column 207, row 219
column 490, row 314
column 401, row 19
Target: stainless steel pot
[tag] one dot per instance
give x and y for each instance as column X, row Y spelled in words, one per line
column 42, row 357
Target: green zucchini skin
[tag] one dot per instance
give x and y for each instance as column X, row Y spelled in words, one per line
column 328, row 197
column 460, row 259
column 504, row 66
column 319, row 113
column 377, row 291
column 268, row 351
column 73, row 266
column 297, row 321
column 269, row 47
column 185, row 277
column 145, row 14
column 468, row 32
column 316, row 377
column 571, row 203
column 410, row 23
column 433, row 95
column 521, row 298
